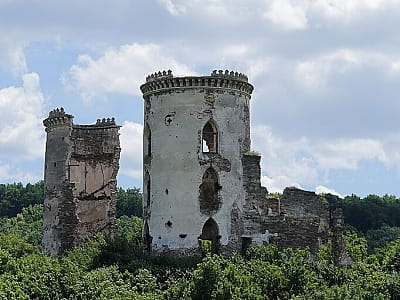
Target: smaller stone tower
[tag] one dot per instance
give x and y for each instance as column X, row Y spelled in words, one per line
column 81, row 165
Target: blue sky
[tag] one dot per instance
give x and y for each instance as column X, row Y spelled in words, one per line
column 326, row 75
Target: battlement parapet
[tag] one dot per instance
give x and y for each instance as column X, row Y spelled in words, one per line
column 159, row 75
column 105, row 122
column 229, row 74
column 100, row 124
column 57, row 117
column 164, row 82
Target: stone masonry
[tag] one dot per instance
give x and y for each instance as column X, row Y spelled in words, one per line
column 303, row 220
column 81, row 165
column 202, row 182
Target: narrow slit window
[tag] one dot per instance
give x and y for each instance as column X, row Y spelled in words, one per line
column 147, row 140
column 148, row 191
column 210, row 138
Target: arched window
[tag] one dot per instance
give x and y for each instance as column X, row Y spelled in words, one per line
column 210, row 138
column 147, row 239
column 147, row 140
column 210, row 232
column 209, row 200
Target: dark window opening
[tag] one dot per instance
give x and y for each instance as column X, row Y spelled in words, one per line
column 210, row 233
column 210, row 138
column 147, row 238
column 148, row 190
column 246, row 242
column 209, row 199
column 147, row 140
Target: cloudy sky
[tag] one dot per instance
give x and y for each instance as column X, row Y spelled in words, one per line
column 325, row 110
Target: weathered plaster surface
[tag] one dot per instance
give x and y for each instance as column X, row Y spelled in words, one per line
column 81, row 166
column 181, row 200
column 176, row 117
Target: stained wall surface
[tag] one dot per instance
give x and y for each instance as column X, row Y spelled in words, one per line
column 81, row 166
column 202, row 182
column 176, row 111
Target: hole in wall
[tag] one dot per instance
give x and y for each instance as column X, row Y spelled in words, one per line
column 210, row 138
column 169, row 224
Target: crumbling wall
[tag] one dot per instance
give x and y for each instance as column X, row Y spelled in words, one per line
column 81, row 166
column 253, row 207
column 339, row 250
column 303, row 220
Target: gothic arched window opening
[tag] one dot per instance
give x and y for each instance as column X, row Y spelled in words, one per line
column 210, row 232
column 209, row 188
column 210, row 138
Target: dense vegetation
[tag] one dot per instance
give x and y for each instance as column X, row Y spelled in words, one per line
column 373, row 217
column 118, row 269
column 14, row 197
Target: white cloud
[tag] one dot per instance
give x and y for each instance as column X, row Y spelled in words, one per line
column 288, row 14
column 278, row 183
column 173, row 9
column 303, row 162
column 120, row 70
column 350, row 9
column 131, row 149
column 21, row 130
column 347, row 153
column 12, row 59
column 320, row 189
column 314, row 73
column 11, row 173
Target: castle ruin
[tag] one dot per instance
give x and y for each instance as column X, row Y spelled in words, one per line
column 202, row 182
column 81, row 165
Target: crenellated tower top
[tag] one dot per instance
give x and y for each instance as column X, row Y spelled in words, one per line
column 164, row 82
column 57, row 118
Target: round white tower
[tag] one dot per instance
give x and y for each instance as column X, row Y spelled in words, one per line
column 196, row 130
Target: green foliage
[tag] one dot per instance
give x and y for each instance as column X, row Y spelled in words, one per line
column 273, row 195
column 15, row 196
column 371, row 212
column 129, row 202
column 205, row 246
column 16, row 245
column 27, row 224
column 356, row 246
column 218, row 278
column 119, row 269
column 379, row 238
column 252, row 153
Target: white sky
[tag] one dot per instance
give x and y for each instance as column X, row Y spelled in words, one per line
column 326, row 75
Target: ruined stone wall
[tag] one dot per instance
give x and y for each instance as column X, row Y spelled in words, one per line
column 81, row 166
column 303, row 220
column 255, row 196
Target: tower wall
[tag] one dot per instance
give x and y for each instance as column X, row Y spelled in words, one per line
column 176, row 111
column 81, row 166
